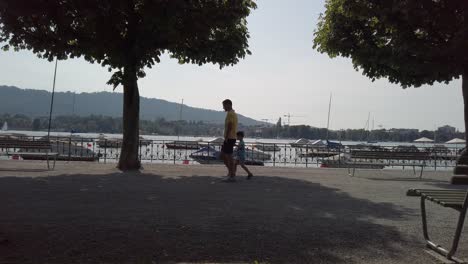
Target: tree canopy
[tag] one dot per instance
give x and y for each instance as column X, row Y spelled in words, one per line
column 410, row 42
column 109, row 31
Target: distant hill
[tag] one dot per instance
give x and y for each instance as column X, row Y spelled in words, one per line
column 35, row 103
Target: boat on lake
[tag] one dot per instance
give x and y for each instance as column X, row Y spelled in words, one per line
column 320, row 149
column 300, row 143
column 217, row 142
column 106, row 142
column 183, row 145
column 267, row 147
column 209, row 155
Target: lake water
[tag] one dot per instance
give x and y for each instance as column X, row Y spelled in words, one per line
column 207, row 138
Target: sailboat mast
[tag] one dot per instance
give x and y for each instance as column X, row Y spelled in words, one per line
column 73, row 108
column 180, row 112
column 369, row 137
column 328, row 121
column 366, row 127
column 180, row 119
column 368, row 121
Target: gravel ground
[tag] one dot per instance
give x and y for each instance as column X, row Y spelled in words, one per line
column 92, row 213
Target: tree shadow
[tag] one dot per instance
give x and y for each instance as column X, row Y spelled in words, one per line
column 145, row 218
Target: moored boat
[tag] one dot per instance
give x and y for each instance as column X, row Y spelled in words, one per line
column 106, row 142
column 209, row 155
column 300, row 143
column 321, row 149
column 269, row 147
column 183, row 145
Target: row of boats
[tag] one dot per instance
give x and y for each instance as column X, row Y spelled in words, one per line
column 257, row 153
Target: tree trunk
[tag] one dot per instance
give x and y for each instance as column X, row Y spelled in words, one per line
column 131, row 116
column 461, row 170
column 465, row 108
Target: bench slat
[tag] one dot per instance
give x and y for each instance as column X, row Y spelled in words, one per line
column 33, row 153
column 419, row 191
column 447, row 198
column 443, row 191
column 387, row 154
column 453, row 204
column 25, row 144
column 388, row 164
column 20, row 144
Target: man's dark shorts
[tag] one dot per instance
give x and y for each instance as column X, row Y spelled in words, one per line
column 228, row 146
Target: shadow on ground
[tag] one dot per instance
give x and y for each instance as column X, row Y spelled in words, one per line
column 144, row 218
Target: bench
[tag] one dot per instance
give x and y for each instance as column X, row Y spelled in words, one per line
column 28, row 148
column 389, row 158
column 455, row 199
column 460, row 171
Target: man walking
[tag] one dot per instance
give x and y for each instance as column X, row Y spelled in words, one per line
column 230, row 130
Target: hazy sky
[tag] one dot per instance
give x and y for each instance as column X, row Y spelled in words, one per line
column 283, row 75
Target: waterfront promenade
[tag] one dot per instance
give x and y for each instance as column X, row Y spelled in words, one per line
column 93, row 213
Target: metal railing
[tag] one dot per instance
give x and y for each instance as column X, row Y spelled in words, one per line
column 269, row 154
